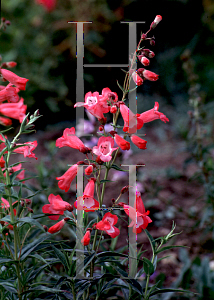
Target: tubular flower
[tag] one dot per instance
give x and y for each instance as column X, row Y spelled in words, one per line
column 27, row 149
column 14, row 110
column 137, row 79
column 150, row 75
column 107, row 224
column 132, row 122
column 66, row 179
column 87, row 201
column 140, row 143
column 9, row 93
column 93, row 105
column 57, row 206
column 153, row 114
column 57, row 227
column 86, row 239
column 69, row 139
column 122, row 143
column 108, row 97
column 104, row 148
column 138, row 215
column 20, row 82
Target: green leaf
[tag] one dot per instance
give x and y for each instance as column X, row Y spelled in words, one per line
column 30, row 247
column 13, row 175
column 151, row 240
column 113, row 166
column 8, row 286
column 106, row 180
column 148, row 266
column 61, row 257
column 31, row 221
column 169, row 247
column 86, row 262
column 161, row 291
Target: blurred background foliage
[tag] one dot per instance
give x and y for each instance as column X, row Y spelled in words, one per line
column 44, row 46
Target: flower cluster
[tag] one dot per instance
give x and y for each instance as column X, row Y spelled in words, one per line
column 103, row 155
column 11, row 105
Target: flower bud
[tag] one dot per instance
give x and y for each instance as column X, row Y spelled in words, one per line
column 148, row 53
column 22, row 203
column 28, row 201
column 89, row 170
column 30, row 210
column 152, row 42
column 156, row 21
column 94, row 226
column 66, row 219
column 143, row 37
column 144, row 61
column 125, row 189
column 150, row 75
column 101, row 127
column 45, row 227
column 113, row 200
column 137, row 79
column 113, row 109
column 11, row 64
column 70, row 208
column 99, row 161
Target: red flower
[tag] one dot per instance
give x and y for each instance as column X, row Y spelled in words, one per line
column 57, row 206
column 57, row 227
column 14, row 110
column 132, row 122
column 69, row 139
column 153, row 114
column 108, row 97
column 107, row 223
column 49, row 5
column 21, row 175
column 5, row 204
column 86, row 239
column 113, row 109
column 9, row 93
column 65, row 180
column 138, row 215
column 89, row 170
column 144, row 61
column 140, row 143
column 104, row 148
column 156, row 21
column 122, row 143
column 27, row 149
column 87, row 201
column 93, row 105
column 20, row 82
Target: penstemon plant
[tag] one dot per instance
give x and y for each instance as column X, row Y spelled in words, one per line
column 29, row 251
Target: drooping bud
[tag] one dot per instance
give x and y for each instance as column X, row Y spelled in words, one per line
column 99, row 161
column 113, row 109
column 101, row 127
column 144, row 61
column 30, row 210
column 143, row 37
column 150, row 75
column 45, row 227
column 28, row 201
column 11, row 64
column 148, row 53
column 124, row 189
column 137, row 79
column 89, row 170
column 156, row 21
column 70, row 208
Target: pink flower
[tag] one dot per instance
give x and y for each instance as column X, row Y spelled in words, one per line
column 140, row 143
column 49, row 5
column 65, row 180
column 93, row 105
column 104, row 148
column 89, row 170
column 107, row 225
column 21, row 175
column 14, row 110
column 113, row 109
column 20, row 82
column 57, row 227
column 69, row 139
column 122, row 143
column 27, row 149
column 86, row 239
column 107, row 98
column 132, row 122
column 138, row 215
column 87, row 201
column 153, row 114
column 156, row 21
column 9, row 93
column 57, row 206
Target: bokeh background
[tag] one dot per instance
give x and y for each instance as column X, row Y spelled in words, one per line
column 44, row 46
